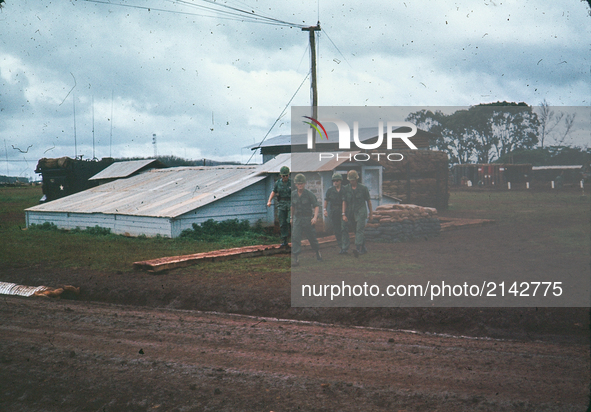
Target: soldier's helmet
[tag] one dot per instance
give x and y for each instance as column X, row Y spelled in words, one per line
column 284, row 171
column 337, row 176
column 352, row 175
column 300, row 178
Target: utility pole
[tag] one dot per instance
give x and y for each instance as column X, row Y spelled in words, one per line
column 93, row 156
column 312, row 30
column 6, row 154
column 75, row 143
column 111, row 134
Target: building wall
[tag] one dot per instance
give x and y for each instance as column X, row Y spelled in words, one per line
column 248, row 204
column 420, row 179
column 314, row 185
column 119, row 224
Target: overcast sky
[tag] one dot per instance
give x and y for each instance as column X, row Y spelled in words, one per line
column 209, row 86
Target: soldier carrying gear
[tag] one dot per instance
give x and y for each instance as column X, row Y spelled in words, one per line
column 282, row 190
column 355, row 213
column 304, row 213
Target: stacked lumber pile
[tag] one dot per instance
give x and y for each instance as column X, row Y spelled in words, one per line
column 399, row 223
column 421, row 178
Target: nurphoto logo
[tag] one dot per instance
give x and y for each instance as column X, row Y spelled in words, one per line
column 345, row 134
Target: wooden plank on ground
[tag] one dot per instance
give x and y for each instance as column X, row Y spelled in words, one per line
column 172, row 262
column 449, row 223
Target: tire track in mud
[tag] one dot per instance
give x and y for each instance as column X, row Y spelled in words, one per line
column 64, row 355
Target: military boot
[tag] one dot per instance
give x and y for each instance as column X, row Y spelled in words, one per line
column 318, row 256
column 284, row 242
column 295, row 261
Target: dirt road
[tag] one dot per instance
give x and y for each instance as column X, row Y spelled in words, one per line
column 82, row 356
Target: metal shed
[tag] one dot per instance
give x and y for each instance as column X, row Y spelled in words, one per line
column 162, row 201
column 127, row 168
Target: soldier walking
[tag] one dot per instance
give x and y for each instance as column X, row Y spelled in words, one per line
column 333, row 208
column 355, row 213
column 304, row 214
column 282, row 190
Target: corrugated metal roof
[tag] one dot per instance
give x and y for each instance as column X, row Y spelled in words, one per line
column 158, row 192
column 122, row 169
column 306, row 162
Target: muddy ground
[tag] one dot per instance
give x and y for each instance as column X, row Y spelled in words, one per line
column 133, row 341
column 82, row 356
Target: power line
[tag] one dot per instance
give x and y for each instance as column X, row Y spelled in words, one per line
column 238, row 11
column 278, row 118
column 335, row 46
column 242, row 15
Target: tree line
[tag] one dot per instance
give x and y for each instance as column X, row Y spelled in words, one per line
column 174, row 161
column 495, row 131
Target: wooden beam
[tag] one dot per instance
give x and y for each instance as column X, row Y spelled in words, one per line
column 172, row 262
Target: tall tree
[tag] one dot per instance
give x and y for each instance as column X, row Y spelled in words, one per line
column 481, row 133
column 550, row 122
column 515, row 126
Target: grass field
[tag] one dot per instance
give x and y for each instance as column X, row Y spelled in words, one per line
column 562, row 217
column 568, row 211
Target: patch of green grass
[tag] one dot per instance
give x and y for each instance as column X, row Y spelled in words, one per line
column 573, row 237
column 510, row 207
column 248, row 267
column 94, row 248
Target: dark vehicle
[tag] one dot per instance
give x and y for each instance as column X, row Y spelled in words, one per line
column 65, row 176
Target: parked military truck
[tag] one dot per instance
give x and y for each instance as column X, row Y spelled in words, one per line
column 65, row 176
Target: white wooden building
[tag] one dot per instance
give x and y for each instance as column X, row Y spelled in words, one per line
column 163, row 201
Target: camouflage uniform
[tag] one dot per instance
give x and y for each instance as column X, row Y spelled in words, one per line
column 356, row 215
column 283, row 193
column 334, row 210
column 303, row 211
